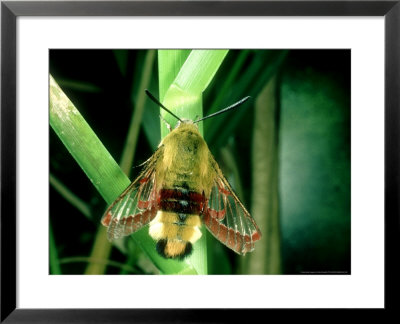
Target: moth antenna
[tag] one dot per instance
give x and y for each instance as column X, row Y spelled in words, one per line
column 160, row 104
column 235, row 105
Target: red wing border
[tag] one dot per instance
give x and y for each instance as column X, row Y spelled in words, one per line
column 135, row 207
column 228, row 220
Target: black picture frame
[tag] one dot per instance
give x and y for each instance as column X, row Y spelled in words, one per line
column 11, row 10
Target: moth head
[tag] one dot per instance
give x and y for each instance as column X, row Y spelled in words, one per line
column 185, row 121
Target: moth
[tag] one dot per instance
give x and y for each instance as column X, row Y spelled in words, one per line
column 180, row 188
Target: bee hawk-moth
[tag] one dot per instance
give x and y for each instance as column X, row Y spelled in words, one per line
column 180, row 188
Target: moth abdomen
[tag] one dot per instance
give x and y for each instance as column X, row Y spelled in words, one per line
column 177, row 223
column 174, row 249
column 181, row 201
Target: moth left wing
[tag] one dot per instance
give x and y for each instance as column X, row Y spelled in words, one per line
column 227, row 219
column 136, row 206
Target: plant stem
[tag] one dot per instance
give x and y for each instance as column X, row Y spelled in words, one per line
column 128, row 154
column 54, row 261
column 68, row 195
column 266, row 258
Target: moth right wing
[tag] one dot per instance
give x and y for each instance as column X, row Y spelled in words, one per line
column 136, row 206
column 226, row 217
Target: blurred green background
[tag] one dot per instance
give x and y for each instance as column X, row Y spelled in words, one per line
column 287, row 155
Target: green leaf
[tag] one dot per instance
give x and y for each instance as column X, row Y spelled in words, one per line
column 184, row 95
column 170, row 62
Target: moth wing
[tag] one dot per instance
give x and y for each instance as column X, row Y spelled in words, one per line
column 136, row 206
column 226, row 217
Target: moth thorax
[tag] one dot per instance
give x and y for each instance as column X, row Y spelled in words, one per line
column 175, row 233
